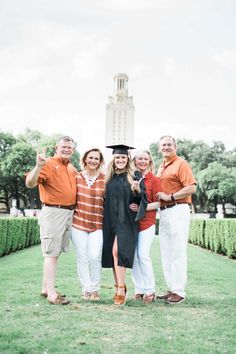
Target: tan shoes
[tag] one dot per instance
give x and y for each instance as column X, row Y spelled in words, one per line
column 175, row 299
column 138, row 297
column 46, row 295
column 59, row 301
column 86, row 296
column 147, row 299
column 120, row 299
column 165, row 296
column 94, row 296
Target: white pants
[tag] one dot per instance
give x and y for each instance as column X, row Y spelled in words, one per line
column 88, row 247
column 174, row 229
column 142, row 272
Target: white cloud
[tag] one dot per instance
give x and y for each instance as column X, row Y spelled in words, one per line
column 16, row 68
column 86, row 61
column 136, row 5
column 170, row 66
column 226, row 59
column 137, row 70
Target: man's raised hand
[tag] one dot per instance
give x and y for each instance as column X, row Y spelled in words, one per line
column 41, row 158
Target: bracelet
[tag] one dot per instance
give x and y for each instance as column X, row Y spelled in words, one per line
column 172, row 197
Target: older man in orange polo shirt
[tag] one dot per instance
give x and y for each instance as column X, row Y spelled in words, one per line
column 56, row 179
column 177, row 186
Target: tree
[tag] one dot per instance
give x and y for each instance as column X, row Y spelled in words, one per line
column 19, row 160
column 6, row 142
column 218, row 184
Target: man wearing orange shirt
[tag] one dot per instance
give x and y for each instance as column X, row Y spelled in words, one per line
column 177, row 186
column 56, row 179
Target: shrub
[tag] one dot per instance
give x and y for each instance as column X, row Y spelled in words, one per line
column 18, row 233
column 3, row 235
column 230, row 240
column 196, row 232
column 218, row 235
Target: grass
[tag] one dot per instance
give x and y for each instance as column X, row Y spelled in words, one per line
column 204, row 323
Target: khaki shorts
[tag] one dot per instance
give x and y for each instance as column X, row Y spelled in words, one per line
column 55, row 230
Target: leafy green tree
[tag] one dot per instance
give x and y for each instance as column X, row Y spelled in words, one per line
column 17, row 162
column 156, row 155
column 6, row 141
column 218, row 184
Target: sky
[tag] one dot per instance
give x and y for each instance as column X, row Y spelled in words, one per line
column 58, row 59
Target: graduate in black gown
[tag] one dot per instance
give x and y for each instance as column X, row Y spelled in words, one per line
column 120, row 228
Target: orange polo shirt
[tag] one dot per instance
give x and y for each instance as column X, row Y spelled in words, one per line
column 57, row 182
column 174, row 175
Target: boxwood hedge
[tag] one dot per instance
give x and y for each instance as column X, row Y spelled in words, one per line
column 18, row 233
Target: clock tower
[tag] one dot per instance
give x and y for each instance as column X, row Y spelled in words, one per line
column 120, row 114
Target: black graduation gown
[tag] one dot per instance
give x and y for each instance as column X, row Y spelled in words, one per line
column 119, row 220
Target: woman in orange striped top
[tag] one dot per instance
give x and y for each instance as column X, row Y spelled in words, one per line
column 87, row 223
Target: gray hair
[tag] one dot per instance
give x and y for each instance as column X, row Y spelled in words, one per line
column 168, row 136
column 66, row 138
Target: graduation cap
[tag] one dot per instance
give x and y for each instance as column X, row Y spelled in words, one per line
column 120, row 149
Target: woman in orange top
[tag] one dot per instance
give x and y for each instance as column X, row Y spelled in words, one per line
column 142, row 272
column 87, row 223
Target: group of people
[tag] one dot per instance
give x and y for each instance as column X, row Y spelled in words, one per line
column 111, row 218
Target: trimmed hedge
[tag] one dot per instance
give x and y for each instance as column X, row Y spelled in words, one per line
column 216, row 235
column 18, row 233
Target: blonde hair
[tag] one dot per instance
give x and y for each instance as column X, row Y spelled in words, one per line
column 129, row 169
column 151, row 166
column 83, row 158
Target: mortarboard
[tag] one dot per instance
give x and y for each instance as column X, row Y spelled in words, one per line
column 120, row 149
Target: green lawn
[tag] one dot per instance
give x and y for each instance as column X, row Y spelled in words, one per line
column 204, row 323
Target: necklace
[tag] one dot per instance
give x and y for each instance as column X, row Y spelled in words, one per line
column 89, row 179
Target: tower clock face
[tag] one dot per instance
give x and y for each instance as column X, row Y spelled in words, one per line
column 120, row 97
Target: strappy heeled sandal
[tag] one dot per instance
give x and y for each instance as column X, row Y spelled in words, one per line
column 115, row 286
column 120, row 299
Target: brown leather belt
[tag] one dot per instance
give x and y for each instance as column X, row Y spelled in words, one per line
column 70, row 207
column 163, row 207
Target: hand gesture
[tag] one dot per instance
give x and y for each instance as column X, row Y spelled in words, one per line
column 136, row 186
column 41, row 158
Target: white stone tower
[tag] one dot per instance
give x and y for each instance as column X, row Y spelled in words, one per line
column 120, row 114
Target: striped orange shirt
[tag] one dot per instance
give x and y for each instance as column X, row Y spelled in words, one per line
column 88, row 215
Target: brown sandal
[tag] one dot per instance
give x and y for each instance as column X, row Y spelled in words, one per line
column 147, row 299
column 120, row 299
column 46, row 295
column 59, row 301
column 138, row 297
column 115, row 286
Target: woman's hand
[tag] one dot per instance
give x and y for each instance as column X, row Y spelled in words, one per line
column 133, row 207
column 136, row 186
